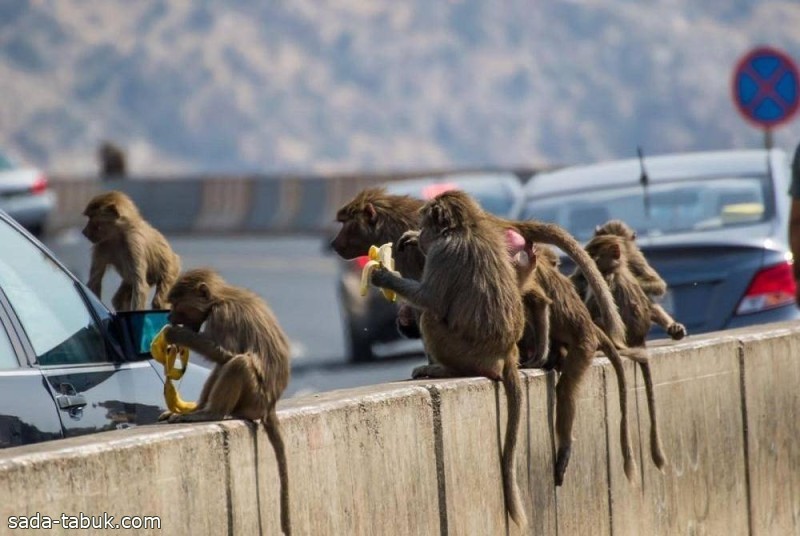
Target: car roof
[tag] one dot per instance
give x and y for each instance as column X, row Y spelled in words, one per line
column 659, row 168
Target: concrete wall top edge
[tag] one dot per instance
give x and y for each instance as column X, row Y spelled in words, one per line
column 381, row 394
column 80, row 446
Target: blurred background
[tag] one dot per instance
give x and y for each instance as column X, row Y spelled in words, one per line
column 354, row 85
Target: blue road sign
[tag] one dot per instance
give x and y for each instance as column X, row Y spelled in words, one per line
column 766, row 87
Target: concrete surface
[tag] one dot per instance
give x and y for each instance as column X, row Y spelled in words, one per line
column 423, row 457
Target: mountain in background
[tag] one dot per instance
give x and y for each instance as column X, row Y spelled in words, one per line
column 375, row 85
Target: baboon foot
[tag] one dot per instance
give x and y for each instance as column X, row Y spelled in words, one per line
column 195, row 416
column 562, row 460
column 431, row 371
column 676, row 331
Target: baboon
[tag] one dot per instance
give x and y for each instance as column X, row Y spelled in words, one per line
column 251, row 354
column 111, row 160
column 574, row 339
column 138, row 252
column 471, row 309
column 638, row 312
column 652, row 284
column 376, row 217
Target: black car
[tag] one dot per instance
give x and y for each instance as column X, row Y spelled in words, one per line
column 370, row 320
column 68, row 366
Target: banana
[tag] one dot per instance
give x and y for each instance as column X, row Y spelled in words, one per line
column 166, row 354
column 378, row 257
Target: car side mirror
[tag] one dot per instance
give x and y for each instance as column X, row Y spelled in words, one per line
column 140, row 328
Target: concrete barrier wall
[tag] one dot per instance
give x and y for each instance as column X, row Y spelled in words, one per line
column 422, row 457
column 228, row 204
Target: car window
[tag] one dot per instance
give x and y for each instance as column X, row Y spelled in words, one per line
column 670, row 207
column 48, row 304
column 8, row 358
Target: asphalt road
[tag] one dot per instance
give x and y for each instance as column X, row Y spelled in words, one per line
column 297, row 279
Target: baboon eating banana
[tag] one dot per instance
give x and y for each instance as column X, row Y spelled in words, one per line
column 251, row 354
column 471, row 310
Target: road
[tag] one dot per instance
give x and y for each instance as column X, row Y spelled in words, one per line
column 298, row 280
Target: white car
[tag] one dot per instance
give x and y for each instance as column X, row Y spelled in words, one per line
column 25, row 194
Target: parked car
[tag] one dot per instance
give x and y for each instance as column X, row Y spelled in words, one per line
column 714, row 225
column 371, row 319
column 68, row 366
column 25, row 194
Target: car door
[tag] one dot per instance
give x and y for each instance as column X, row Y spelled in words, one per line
column 65, row 337
column 27, row 410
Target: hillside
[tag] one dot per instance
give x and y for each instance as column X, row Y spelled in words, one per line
column 307, row 85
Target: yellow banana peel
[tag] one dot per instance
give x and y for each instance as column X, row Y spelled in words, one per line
column 379, row 257
column 167, row 354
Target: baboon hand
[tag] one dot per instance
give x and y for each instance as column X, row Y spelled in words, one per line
column 408, row 240
column 380, row 277
column 177, row 334
column 676, row 331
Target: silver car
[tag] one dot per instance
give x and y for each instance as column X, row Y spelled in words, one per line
column 25, row 194
column 714, row 224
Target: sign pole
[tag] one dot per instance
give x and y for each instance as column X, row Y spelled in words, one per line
column 768, row 138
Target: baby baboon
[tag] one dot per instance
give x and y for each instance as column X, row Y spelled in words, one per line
column 250, row 350
column 471, row 310
column 648, row 278
column 139, row 253
column 574, row 338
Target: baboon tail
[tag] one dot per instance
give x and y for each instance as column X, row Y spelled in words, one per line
column 273, row 428
column 640, row 356
column 624, row 437
column 550, row 233
column 513, row 388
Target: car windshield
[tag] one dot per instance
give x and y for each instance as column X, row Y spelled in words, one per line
column 686, row 205
column 495, row 195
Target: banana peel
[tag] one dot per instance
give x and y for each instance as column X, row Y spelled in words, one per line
column 167, row 354
column 379, row 257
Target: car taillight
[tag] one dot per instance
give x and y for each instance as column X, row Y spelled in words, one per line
column 361, row 261
column 771, row 287
column 39, row 186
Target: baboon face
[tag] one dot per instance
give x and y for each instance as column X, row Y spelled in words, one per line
column 359, row 230
column 105, row 213
column 606, row 251
column 190, row 303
